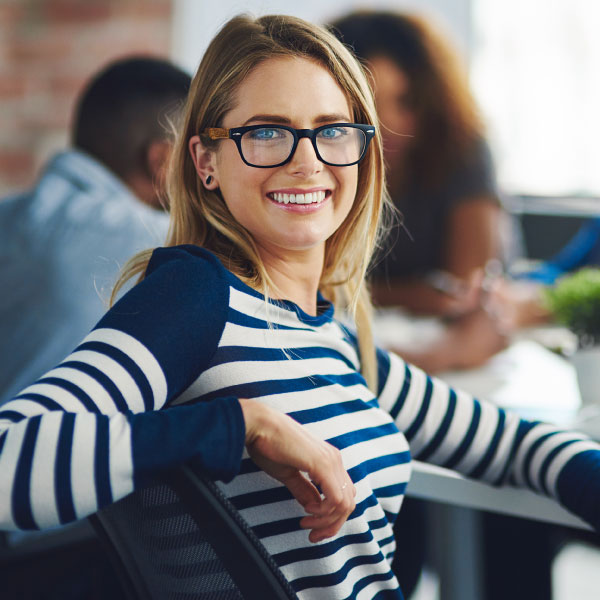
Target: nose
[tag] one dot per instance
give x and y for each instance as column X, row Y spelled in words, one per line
column 305, row 162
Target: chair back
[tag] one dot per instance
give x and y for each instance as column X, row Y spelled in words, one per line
column 182, row 539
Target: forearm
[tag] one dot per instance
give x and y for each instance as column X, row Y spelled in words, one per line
column 453, row 430
column 416, row 295
column 58, row 467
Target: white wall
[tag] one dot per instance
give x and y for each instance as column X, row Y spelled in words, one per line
column 197, row 21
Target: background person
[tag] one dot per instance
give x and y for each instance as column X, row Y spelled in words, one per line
column 230, row 338
column 63, row 242
column 441, row 179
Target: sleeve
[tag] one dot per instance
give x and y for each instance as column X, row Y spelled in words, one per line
column 474, row 178
column 91, row 430
column 454, row 430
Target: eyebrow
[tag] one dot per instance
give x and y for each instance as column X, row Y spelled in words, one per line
column 278, row 119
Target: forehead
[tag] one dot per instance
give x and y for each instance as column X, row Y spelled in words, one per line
column 296, row 88
column 387, row 75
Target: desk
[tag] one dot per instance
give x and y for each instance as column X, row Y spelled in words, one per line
column 453, row 528
column 526, row 378
column 536, row 383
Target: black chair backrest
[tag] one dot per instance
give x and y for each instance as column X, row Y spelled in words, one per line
column 181, row 539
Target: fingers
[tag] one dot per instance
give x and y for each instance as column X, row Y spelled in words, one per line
column 328, row 513
column 322, row 527
column 303, row 490
column 330, row 509
column 337, row 504
column 285, row 449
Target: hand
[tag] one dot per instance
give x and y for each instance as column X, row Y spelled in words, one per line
column 465, row 342
column 458, row 296
column 473, row 339
column 286, row 450
column 516, row 304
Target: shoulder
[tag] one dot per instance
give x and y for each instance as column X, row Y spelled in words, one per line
column 180, row 307
column 181, row 280
column 181, row 262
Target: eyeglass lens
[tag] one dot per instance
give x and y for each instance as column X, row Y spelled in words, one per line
column 272, row 145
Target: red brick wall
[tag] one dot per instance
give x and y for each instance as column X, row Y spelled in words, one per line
column 48, row 50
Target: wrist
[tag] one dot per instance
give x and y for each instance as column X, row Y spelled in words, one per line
column 253, row 413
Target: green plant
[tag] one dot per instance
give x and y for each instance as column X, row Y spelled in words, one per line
column 575, row 302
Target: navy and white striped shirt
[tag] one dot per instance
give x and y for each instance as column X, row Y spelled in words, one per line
column 155, row 384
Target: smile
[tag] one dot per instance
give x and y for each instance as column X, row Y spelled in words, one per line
column 308, row 198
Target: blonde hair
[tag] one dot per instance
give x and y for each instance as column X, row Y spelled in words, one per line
column 199, row 216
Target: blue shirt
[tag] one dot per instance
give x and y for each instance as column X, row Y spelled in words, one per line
column 62, row 245
column 581, row 251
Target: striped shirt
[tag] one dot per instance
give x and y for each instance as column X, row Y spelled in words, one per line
column 155, row 385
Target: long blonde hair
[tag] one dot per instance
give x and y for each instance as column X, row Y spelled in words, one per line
column 199, row 216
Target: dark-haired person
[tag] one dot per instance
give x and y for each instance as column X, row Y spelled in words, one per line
column 440, row 176
column 63, row 242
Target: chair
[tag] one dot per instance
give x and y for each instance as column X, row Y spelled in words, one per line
column 181, row 538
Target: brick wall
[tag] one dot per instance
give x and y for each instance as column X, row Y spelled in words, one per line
column 48, row 50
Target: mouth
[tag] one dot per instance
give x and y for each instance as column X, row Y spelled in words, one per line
column 315, row 197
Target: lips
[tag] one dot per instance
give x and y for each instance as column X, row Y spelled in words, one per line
column 299, row 198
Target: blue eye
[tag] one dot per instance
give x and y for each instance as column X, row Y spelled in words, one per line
column 266, row 133
column 332, row 133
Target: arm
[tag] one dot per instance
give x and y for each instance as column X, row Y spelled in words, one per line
column 464, row 343
column 454, row 430
column 472, row 239
column 90, row 431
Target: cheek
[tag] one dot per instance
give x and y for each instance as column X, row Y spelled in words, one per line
column 236, row 179
column 348, row 182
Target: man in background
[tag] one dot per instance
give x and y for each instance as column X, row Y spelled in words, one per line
column 63, row 242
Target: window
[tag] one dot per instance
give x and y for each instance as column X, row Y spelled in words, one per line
column 535, row 71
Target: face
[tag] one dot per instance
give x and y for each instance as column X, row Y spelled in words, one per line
column 302, row 94
column 394, row 109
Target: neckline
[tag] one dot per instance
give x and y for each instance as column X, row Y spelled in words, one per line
column 325, row 308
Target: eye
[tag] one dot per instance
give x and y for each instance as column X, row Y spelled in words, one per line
column 333, row 133
column 266, row 133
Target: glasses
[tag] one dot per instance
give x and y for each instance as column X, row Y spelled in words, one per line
column 264, row 146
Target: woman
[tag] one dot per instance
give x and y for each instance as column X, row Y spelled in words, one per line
column 440, row 177
column 439, row 170
column 276, row 189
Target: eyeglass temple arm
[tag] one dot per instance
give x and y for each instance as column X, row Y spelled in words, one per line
column 217, row 133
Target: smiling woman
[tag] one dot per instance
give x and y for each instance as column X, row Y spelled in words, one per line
column 230, row 340
column 289, row 237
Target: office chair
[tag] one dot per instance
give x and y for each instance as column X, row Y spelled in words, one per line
column 181, row 538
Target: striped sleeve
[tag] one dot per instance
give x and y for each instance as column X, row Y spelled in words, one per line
column 454, row 430
column 95, row 427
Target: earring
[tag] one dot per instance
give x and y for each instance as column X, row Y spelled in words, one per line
column 209, row 180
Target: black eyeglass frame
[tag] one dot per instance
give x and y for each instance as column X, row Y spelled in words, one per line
column 236, row 133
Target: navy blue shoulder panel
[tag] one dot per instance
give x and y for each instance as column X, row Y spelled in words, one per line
column 178, row 312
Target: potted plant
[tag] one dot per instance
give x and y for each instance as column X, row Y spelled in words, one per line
column 575, row 302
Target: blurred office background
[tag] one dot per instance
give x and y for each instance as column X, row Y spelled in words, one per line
column 534, row 66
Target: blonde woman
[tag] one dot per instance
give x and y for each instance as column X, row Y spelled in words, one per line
column 230, row 339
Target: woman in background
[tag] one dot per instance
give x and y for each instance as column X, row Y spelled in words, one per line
column 441, row 179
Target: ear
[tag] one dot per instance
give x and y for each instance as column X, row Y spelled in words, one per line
column 157, row 156
column 204, row 162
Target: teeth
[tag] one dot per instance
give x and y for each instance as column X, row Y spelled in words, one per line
column 309, row 198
